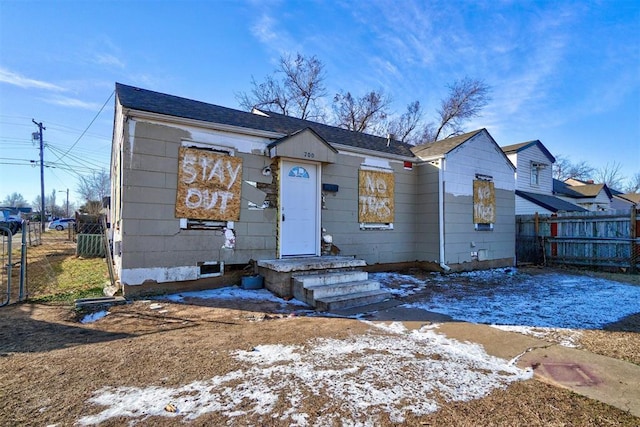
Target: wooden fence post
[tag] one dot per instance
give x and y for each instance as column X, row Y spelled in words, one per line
column 634, row 233
column 554, row 233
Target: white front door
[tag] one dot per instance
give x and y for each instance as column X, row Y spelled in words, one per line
column 299, row 213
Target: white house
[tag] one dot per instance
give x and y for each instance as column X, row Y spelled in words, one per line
column 534, row 180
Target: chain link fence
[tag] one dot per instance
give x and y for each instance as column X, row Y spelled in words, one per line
column 45, row 266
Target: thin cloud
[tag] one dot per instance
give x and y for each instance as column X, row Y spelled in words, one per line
column 110, row 60
column 9, row 77
column 273, row 34
column 65, row 101
column 263, row 30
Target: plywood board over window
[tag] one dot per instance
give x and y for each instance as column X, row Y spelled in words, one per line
column 209, row 185
column 484, row 202
column 375, row 196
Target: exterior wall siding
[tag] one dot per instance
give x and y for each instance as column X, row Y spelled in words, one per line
column 525, row 207
column 149, row 231
column 340, row 214
column 152, row 237
column 523, row 171
column 158, row 249
column 427, row 213
column 461, row 238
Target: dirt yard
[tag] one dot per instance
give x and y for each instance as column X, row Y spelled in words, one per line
column 157, row 362
column 52, row 366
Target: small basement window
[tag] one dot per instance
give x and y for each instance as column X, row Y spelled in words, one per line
column 484, row 227
column 201, row 224
column 376, row 226
column 210, row 269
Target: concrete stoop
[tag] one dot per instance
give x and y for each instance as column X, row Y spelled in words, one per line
column 357, row 299
column 327, row 283
column 337, row 290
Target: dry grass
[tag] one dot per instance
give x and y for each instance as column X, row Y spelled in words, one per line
column 56, row 274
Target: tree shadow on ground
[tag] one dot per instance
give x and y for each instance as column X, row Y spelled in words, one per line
column 29, row 335
column 32, row 328
column 630, row 323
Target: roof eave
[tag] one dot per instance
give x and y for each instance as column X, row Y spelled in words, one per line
column 140, row 114
column 365, row 151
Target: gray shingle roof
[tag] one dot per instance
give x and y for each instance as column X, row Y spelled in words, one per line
column 170, row 105
column 580, row 191
column 560, row 187
column 591, row 190
column 551, row 203
column 516, row 148
column 444, row 146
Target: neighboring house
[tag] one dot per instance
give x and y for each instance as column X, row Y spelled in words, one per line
column 624, row 201
column 200, row 191
column 590, row 196
column 14, row 213
column 534, row 180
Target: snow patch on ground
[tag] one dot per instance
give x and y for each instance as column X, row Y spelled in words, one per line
column 507, row 297
column 409, row 285
column 564, row 337
column 93, row 317
column 391, row 370
column 232, row 293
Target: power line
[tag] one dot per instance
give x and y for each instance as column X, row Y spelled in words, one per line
column 87, row 128
column 82, row 161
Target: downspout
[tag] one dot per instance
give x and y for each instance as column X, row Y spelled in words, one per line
column 444, row 266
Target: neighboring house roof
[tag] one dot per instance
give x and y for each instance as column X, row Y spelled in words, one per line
column 560, row 187
column 16, row 210
column 576, row 181
column 630, row 197
column 516, row 148
column 160, row 103
column 591, row 190
column 551, row 203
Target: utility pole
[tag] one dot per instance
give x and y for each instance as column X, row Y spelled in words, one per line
column 42, row 210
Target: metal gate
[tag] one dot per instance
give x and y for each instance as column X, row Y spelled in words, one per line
column 13, row 263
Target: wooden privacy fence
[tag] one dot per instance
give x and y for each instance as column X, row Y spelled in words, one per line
column 596, row 239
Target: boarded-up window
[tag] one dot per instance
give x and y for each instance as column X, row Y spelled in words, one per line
column 484, row 202
column 209, row 185
column 375, row 196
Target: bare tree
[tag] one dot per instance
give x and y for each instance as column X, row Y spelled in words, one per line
column 293, row 89
column 366, row 113
column 94, row 187
column 15, row 200
column 51, row 208
column 564, row 169
column 633, row 184
column 304, row 80
column 610, row 174
column 91, row 207
column 467, row 97
column 51, row 202
column 403, row 127
column 269, row 94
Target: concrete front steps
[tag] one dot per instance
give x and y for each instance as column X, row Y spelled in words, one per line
column 337, row 290
column 327, row 283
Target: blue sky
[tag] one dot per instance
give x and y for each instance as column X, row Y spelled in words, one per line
column 566, row 73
